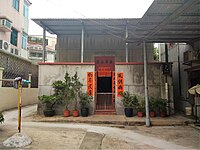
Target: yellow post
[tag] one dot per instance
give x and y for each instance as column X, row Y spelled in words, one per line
column 19, row 106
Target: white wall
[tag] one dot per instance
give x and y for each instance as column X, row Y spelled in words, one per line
column 9, row 97
column 133, row 81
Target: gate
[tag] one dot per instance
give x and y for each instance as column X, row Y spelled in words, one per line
column 105, row 84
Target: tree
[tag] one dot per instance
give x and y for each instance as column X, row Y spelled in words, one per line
column 155, row 54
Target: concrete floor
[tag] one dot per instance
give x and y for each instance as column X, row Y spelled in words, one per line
column 57, row 135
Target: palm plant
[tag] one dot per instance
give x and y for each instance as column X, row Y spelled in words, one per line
column 129, row 101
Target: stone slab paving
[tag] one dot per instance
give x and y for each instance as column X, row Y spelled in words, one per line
column 92, row 141
column 18, row 140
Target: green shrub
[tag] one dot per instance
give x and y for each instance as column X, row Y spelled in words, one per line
column 141, row 106
column 85, row 100
column 128, row 100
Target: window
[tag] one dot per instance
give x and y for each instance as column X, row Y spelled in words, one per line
column 24, row 41
column 16, row 4
column 32, row 54
column 25, row 9
column 14, row 36
column 39, row 54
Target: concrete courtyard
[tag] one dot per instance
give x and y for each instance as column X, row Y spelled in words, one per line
column 62, row 135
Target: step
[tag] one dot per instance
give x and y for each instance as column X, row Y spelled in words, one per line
column 105, row 112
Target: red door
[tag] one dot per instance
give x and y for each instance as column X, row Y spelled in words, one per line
column 105, row 84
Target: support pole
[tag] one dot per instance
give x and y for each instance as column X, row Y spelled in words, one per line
column 166, row 82
column 146, row 86
column 179, row 70
column 44, row 44
column 82, row 43
column 19, row 106
column 126, row 44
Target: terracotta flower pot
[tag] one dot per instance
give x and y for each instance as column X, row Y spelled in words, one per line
column 140, row 114
column 152, row 114
column 75, row 113
column 162, row 114
column 66, row 113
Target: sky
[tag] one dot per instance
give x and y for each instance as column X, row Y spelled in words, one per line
column 85, row 9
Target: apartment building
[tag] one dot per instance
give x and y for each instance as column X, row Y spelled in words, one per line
column 14, row 26
column 35, row 48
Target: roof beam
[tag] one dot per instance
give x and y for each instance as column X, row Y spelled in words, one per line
column 47, row 28
column 170, row 1
column 184, row 23
column 159, row 14
column 175, row 14
column 181, row 29
column 191, row 14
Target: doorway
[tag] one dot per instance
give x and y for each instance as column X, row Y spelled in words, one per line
column 105, row 84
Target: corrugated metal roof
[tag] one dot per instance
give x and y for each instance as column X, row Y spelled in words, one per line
column 164, row 21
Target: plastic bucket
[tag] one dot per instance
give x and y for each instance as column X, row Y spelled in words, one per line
column 188, row 111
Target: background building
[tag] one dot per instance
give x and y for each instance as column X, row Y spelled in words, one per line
column 14, row 24
column 35, row 48
column 185, row 72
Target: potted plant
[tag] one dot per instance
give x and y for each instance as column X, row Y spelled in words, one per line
column 63, row 91
column 140, row 108
column 152, row 107
column 129, row 101
column 1, row 118
column 162, row 105
column 84, row 102
column 49, row 101
column 76, row 88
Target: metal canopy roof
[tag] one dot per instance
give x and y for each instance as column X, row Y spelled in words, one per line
column 164, row 21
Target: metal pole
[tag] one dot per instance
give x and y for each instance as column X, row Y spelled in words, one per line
column 82, row 43
column 179, row 70
column 19, row 106
column 146, row 86
column 44, row 43
column 166, row 82
column 126, row 44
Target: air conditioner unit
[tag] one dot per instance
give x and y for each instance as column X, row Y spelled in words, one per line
column 4, row 45
column 16, row 51
column 12, row 50
column 5, row 25
column 189, row 56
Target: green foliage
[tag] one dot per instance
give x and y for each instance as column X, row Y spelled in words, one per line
column 128, row 100
column 76, row 87
column 1, row 118
column 85, row 100
column 153, row 104
column 162, row 104
column 141, row 106
column 63, row 90
column 155, row 54
column 49, row 100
